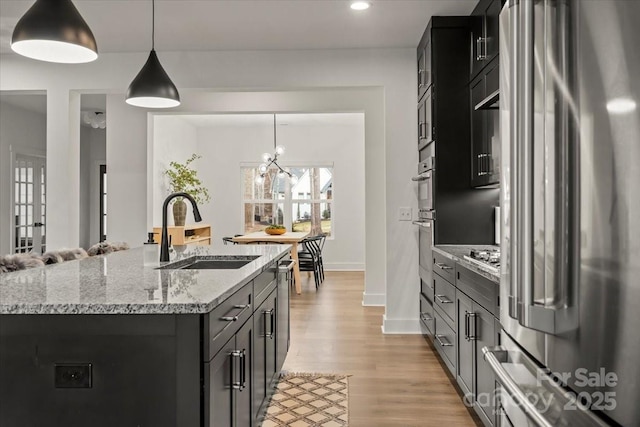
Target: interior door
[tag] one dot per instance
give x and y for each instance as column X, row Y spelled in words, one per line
column 29, row 204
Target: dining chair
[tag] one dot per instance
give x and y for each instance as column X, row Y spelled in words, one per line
column 309, row 259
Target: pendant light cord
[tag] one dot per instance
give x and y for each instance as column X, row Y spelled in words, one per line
column 274, row 132
column 153, row 24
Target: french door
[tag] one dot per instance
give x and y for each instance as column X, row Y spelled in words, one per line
column 29, row 204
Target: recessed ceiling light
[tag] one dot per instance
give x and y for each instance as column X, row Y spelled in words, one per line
column 621, row 105
column 360, row 5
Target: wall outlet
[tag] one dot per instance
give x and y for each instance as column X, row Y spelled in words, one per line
column 72, row 375
column 404, row 214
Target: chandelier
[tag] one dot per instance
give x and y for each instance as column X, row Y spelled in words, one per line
column 270, row 161
column 95, row 119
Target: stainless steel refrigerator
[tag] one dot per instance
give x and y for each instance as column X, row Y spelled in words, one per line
column 570, row 185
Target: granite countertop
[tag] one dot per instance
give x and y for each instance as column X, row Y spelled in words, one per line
column 118, row 283
column 457, row 252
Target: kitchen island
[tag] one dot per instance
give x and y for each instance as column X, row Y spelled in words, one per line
column 106, row 341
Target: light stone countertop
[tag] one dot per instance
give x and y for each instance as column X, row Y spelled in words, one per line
column 118, row 283
column 457, row 253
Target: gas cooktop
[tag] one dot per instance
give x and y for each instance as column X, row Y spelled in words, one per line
column 489, row 259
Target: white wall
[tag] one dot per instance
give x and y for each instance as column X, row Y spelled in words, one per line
column 176, row 140
column 379, row 82
column 23, row 131
column 93, row 153
column 225, row 147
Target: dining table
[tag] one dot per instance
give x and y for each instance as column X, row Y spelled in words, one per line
column 290, row 237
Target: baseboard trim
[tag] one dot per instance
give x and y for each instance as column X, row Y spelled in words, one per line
column 374, row 300
column 344, row 266
column 400, row 326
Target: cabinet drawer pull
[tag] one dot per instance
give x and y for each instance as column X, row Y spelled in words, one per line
column 426, row 317
column 228, row 318
column 443, row 266
column 442, row 299
column 443, row 343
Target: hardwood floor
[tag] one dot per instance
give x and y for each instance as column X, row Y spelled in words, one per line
column 397, row 380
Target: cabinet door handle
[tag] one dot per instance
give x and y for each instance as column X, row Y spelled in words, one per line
column 471, row 335
column 236, row 385
column 421, row 126
column 443, row 343
column 443, row 266
column 271, row 323
column 420, row 79
column 480, row 41
column 466, row 325
column 442, row 299
column 243, row 369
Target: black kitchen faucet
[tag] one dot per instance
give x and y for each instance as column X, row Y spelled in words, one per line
column 164, row 245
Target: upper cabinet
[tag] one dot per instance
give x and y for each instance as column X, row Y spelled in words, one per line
column 424, row 65
column 485, row 30
column 485, row 127
column 484, row 93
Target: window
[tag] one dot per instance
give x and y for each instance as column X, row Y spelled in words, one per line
column 306, row 205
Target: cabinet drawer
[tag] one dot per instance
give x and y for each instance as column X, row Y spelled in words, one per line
column 445, row 341
column 225, row 320
column 426, row 288
column 263, row 285
column 444, row 266
column 427, row 322
column 482, row 290
column 445, row 298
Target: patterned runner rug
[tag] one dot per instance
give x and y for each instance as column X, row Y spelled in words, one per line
column 304, row 400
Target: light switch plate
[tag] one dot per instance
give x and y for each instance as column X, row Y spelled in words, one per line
column 404, row 214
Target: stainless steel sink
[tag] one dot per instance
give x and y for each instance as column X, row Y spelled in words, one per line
column 212, row 262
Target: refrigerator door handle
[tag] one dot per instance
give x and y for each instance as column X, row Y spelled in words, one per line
column 514, row 191
column 552, row 311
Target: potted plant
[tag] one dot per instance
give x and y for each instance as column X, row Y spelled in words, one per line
column 183, row 178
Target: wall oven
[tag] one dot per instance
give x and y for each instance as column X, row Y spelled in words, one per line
column 425, row 180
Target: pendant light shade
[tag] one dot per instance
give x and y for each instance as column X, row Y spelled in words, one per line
column 54, row 31
column 152, row 87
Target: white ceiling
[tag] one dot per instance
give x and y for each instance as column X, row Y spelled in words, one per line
column 188, row 25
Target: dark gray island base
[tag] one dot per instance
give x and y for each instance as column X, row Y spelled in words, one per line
column 108, row 342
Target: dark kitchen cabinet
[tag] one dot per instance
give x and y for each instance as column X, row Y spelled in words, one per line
column 476, row 329
column 424, row 67
column 240, row 378
column 264, row 372
column 443, row 135
column 485, row 127
column 464, row 306
column 485, row 32
column 228, row 382
column 425, row 120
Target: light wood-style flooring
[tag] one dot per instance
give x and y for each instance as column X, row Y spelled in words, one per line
column 397, row 380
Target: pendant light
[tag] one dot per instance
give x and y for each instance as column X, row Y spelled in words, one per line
column 54, row 31
column 152, row 87
column 271, row 161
